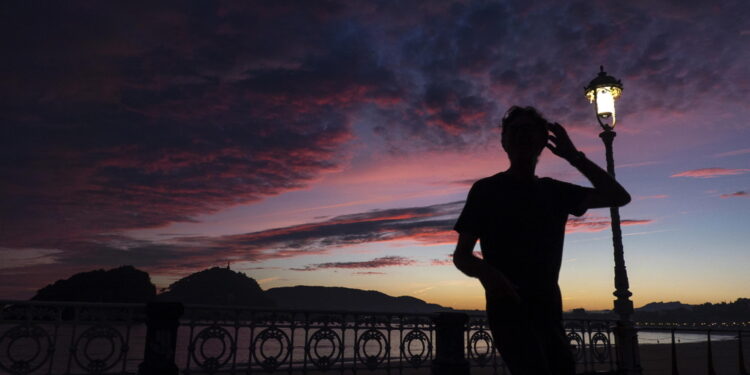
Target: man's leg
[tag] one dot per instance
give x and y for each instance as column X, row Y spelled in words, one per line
column 561, row 359
column 517, row 338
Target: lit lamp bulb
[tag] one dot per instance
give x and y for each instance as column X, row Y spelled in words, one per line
column 603, row 91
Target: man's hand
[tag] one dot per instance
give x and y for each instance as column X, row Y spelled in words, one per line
column 496, row 285
column 560, row 144
column 607, row 191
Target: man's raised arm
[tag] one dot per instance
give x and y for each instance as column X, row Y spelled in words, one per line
column 607, row 191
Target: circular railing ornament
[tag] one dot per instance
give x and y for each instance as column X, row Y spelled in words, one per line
column 418, row 337
column 101, row 348
column 206, row 342
column 26, row 347
column 600, row 347
column 317, row 342
column 365, row 343
column 576, row 345
column 268, row 335
column 482, row 336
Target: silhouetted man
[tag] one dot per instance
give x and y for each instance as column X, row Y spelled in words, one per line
column 520, row 221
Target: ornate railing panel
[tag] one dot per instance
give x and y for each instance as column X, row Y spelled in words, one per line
column 233, row 340
column 59, row 337
column 591, row 341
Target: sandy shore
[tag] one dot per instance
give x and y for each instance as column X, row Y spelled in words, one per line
column 692, row 358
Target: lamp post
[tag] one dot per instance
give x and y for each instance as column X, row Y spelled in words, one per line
column 603, row 91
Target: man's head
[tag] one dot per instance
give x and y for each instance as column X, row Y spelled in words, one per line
column 524, row 133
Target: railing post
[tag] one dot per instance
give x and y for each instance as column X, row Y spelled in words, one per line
column 449, row 344
column 743, row 370
column 711, row 370
column 674, row 356
column 162, row 320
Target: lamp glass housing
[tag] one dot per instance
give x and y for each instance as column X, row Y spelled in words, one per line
column 604, row 97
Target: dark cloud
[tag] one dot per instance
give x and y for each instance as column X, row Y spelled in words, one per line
column 109, row 127
column 387, row 261
column 427, row 224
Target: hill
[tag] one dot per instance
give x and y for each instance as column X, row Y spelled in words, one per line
column 664, row 306
column 338, row 298
column 122, row 284
column 737, row 311
column 217, row 286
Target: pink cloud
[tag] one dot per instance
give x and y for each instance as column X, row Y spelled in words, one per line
column 710, row 172
column 733, row 153
column 640, row 164
column 735, row 194
column 442, row 262
column 598, row 224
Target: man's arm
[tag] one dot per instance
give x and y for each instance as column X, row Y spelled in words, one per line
column 495, row 283
column 607, row 191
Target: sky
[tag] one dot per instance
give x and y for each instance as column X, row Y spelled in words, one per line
column 334, row 142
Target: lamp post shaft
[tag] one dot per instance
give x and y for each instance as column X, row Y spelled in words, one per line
column 628, row 356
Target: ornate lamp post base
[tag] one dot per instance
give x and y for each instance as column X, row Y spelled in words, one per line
column 628, row 355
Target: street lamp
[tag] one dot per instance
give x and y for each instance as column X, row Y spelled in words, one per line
column 603, row 91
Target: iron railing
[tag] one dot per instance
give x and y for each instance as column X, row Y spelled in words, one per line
column 97, row 338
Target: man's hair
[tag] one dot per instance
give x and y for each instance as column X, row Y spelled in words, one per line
column 515, row 112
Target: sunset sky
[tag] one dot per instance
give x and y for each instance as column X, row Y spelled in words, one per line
column 334, row 142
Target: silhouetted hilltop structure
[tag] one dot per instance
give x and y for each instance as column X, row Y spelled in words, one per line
column 337, row 298
column 218, row 286
column 122, row 284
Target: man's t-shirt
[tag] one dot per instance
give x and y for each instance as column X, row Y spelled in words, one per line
column 521, row 227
